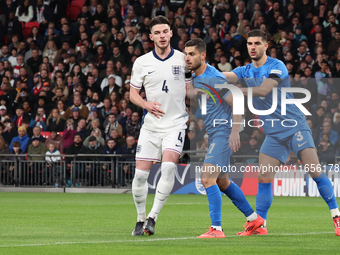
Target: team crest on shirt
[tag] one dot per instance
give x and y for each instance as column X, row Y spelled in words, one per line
column 176, row 70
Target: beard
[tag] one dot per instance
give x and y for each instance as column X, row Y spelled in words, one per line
column 195, row 66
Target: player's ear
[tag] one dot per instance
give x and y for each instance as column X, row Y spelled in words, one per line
column 171, row 33
column 203, row 54
column 150, row 36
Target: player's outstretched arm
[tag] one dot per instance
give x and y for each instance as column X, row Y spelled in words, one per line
column 234, row 138
column 151, row 107
column 265, row 88
column 231, row 77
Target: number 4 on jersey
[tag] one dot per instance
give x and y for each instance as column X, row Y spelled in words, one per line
column 165, row 88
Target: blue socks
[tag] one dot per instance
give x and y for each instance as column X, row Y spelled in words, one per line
column 264, row 199
column 326, row 190
column 239, row 200
column 215, row 204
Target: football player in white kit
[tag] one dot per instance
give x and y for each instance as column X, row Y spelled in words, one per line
column 162, row 72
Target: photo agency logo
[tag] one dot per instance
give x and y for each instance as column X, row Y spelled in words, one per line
column 238, row 104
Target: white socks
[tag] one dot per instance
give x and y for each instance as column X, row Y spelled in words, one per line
column 140, row 192
column 164, row 188
column 335, row 212
column 252, row 216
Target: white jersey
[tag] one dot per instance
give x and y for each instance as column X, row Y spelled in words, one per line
column 164, row 82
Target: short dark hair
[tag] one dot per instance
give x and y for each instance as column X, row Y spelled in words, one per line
column 158, row 20
column 258, row 33
column 198, row 43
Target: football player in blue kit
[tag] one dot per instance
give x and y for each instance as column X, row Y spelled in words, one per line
column 214, row 180
column 263, row 75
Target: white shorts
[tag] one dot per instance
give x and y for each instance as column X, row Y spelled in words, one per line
column 151, row 145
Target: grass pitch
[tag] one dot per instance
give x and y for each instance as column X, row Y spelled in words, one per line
column 58, row 223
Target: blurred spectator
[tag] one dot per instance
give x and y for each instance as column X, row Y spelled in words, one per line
column 120, row 140
column 190, row 141
column 79, row 107
column 36, row 148
column 326, row 152
column 68, row 133
column 4, row 148
column 73, row 149
column 56, row 139
column 36, row 134
column 127, row 170
column 9, row 130
column 252, row 149
column 326, row 129
column 22, row 138
column 39, row 120
column 52, row 154
column 97, row 134
column 24, row 12
column 55, row 121
column 112, row 124
column 133, row 125
column 111, row 148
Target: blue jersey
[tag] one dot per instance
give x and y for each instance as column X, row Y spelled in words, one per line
column 217, row 108
column 254, row 77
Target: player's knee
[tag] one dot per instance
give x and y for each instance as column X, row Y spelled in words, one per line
column 208, row 182
column 140, row 178
column 168, row 171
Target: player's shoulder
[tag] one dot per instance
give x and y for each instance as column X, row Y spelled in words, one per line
column 213, row 72
column 178, row 54
column 141, row 59
column 276, row 66
column 275, row 62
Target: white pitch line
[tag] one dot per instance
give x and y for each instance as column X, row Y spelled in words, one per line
column 151, row 240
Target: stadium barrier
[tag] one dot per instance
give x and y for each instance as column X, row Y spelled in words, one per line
column 113, row 174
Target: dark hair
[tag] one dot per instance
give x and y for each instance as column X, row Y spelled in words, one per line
column 23, row 9
column 111, row 139
column 158, row 20
column 198, row 43
column 16, row 144
column 77, row 134
column 258, row 33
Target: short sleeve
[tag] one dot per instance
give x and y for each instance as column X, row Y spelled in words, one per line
column 137, row 75
column 239, row 71
column 278, row 70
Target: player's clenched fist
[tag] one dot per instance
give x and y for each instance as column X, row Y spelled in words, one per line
column 152, row 107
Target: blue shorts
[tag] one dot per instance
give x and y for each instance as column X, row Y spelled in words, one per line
column 280, row 148
column 218, row 152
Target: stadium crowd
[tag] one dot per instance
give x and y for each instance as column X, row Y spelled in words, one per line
column 70, row 74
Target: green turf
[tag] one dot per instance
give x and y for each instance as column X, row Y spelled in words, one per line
column 54, row 223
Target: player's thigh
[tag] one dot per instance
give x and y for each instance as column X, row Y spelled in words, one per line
column 218, row 155
column 172, row 145
column 148, row 148
column 219, row 152
column 275, row 148
column 144, row 164
column 311, row 161
column 268, row 167
column 303, row 146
